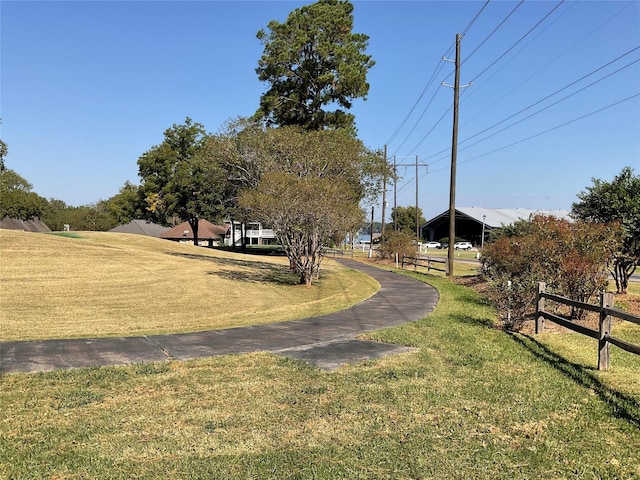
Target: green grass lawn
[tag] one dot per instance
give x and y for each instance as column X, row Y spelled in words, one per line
column 472, row 402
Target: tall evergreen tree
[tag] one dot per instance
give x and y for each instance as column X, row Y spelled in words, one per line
column 313, row 61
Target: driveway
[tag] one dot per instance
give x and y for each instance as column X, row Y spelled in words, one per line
column 327, row 341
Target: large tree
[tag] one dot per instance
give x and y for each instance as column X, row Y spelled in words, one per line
column 616, row 201
column 313, row 61
column 181, row 177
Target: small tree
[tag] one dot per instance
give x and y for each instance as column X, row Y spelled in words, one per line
column 401, row 243
column 616, row 201
column 305, row 213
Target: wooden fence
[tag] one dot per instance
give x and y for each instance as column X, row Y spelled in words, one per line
column 603, row 334
column 426, row 262
column 334, row 252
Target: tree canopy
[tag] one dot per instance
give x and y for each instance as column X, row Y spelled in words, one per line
column 306, row 185
column 405, row 219
column 610, row 202
column 313, row 61
column 179, row 177
column 16, row 198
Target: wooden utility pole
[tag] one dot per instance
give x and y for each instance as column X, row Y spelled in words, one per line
column 395, row 196
column 384, row 192
column 454, row 155
column 417, row 216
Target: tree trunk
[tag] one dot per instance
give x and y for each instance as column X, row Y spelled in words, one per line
column 193, row 223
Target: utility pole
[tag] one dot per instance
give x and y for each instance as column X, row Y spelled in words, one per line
column 371, row 233
column 454, row 155
column 384, row 192
column 395, row 196
column 417, row 216
column 395, row 215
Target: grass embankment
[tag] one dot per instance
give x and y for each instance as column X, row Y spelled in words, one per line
column 472, row 402
column 108, row 284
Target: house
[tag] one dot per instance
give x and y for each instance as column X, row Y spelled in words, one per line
column 209, row 235
column 471, row 222
column 254, row 234
column 141, row 227
column 34, row 225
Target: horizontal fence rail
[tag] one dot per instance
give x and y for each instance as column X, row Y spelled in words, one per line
column 606, row 313
column 426, row 262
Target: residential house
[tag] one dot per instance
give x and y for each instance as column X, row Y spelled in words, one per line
column 209, row 235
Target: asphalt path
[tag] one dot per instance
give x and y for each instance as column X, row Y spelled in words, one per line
column 327, row 341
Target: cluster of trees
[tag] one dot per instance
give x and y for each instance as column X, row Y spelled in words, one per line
column 296, row 165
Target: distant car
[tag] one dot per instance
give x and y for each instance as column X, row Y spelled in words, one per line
column 462, row 246
column 433, row 245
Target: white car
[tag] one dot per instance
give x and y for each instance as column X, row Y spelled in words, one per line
column 432, row 245
column 462, row 246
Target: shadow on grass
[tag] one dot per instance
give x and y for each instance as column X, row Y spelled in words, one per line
column 253, row 271
column 622, row 406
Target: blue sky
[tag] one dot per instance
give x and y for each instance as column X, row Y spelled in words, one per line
column 88, row 86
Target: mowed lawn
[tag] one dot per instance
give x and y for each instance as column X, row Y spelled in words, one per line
column 107, row 284
column 471, row 402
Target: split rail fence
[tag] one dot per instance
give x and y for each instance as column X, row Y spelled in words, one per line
column 426, row 262
column 603, row 334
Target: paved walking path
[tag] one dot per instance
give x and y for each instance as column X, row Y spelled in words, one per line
column 328, row 341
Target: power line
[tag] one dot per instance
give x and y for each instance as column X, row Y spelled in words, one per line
column 436, row 71
column 494, row 30
column 542, row 100
column 519, row 40
column 547, row 130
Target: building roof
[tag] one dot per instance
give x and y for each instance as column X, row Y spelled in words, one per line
column 141, row 227
column 206, row 230
column 499, row 217
column 35, row 225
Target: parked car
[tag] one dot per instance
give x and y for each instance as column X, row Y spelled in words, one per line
column 432, row 245
column 462, row 246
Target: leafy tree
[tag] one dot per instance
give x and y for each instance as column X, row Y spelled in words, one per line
column 616, row 201
column 313, row 61
column 405, row 219
column 128, row 204
column 306, row 185
column 181, row 177
column 16, row 198
column 306, row 212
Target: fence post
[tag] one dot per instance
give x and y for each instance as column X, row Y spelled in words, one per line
column 542, row 288
column 606, row 300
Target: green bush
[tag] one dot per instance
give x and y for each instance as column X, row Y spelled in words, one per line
column 571, row 258
column 401, row 243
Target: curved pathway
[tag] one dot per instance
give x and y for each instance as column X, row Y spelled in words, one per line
column 327, row 341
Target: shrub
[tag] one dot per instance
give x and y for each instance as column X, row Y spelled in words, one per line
column 571, row 258
column 401, row 243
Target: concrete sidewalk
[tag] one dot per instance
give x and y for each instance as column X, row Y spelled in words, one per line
column 328, row 341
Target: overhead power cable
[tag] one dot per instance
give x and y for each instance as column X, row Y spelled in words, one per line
column 436, row 71
column 494, row 31
column 519, row 40
column 542, row 100
column 547, row 130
